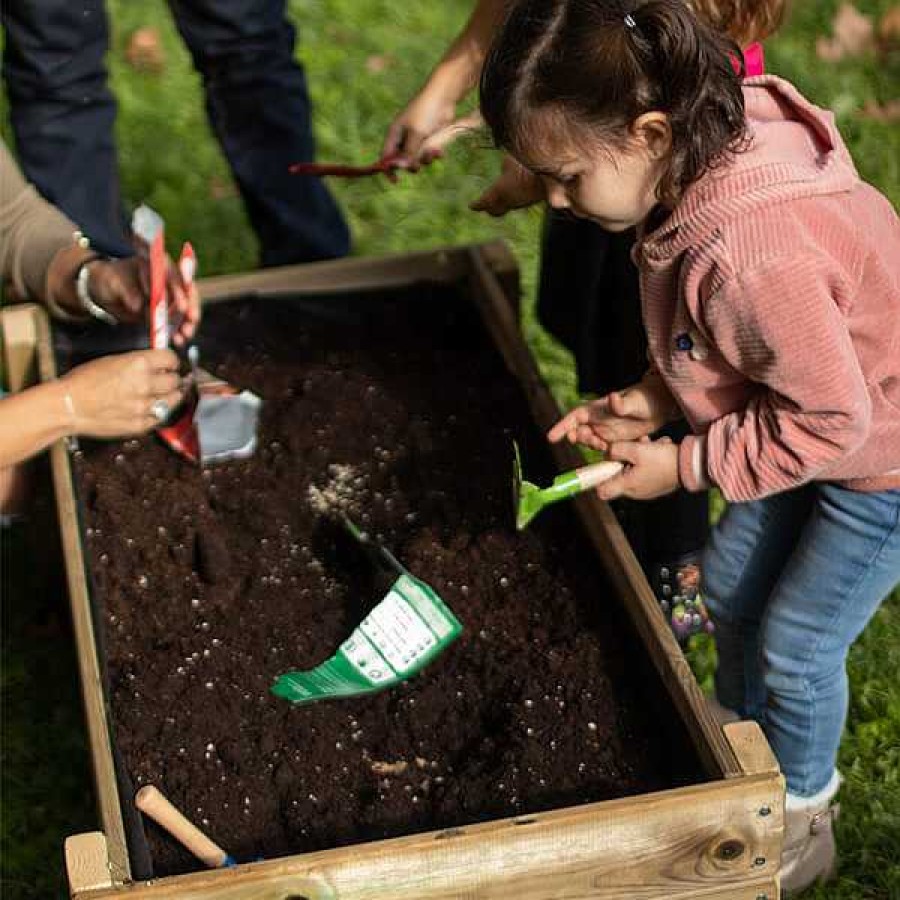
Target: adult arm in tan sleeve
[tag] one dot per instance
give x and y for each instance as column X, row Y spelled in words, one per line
column 41, row 254
column 32, row 233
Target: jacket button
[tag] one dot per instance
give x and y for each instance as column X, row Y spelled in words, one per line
column 683, row 341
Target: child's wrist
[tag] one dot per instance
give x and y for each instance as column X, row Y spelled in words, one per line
column 692, row 466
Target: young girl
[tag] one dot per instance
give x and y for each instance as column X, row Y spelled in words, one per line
column 770, row 290
column 588, row 289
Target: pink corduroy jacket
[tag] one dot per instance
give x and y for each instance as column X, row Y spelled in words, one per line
column 771, row 299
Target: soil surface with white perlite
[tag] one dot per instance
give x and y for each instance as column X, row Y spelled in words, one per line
column 210, row 583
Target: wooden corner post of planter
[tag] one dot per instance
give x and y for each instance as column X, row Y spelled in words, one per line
column 757, row 760
column 87, row 863
column 19, row 336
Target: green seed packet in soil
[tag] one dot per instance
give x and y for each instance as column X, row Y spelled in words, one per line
column 410, row 628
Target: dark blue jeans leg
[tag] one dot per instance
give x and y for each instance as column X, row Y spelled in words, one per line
column 259, row 108
column 62, row 111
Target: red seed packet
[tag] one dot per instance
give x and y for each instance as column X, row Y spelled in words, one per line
column 216, row 422
column 149, row 233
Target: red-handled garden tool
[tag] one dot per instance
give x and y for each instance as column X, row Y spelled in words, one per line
column 387, row 166
column 529, row 499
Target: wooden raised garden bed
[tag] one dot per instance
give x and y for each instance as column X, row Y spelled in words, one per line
column 560, row 749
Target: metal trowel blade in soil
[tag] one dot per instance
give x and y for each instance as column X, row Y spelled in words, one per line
column 529, row 499
column 405, row 632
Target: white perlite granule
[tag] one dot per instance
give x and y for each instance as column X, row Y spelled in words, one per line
column 341, row 493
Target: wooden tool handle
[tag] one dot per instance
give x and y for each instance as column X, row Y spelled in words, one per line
column 590, row 476
column 153, row 803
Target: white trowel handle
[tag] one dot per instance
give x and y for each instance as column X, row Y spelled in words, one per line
column 590, row 476
column 153, row 803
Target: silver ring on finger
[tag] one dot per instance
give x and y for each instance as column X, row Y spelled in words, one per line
column 160, row 411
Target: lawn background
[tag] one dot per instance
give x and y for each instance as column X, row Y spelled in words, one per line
column 364, row 58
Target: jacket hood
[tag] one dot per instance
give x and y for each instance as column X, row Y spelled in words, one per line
column 794, row 150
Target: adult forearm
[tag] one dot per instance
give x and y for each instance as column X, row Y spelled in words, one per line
column 460, row 66
column 32, row 232
column 32, row 420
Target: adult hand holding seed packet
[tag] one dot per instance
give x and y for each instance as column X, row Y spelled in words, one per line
column 174, row 303
column 116, row 291
column 183, row 301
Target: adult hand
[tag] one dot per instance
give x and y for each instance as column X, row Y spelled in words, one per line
column 627, row 415
column 122, row 288
column 515, row 188
column 184, row 304
column 116, row 286
column 430, row 113
column 651, row 470
column 115, row 396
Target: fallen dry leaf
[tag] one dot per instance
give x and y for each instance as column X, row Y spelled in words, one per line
column 376, row 64
column 881, row 112
column 853, row 34
column 221, row 188
column 144, row 51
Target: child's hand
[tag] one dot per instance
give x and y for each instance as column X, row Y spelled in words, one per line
column 651, row 470
column 514, row 188
column 627, row 415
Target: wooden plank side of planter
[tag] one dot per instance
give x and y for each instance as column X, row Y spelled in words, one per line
column 24, row 326
column 443, row 265
column 18, row 326
column 607, row 536
column 716, row 840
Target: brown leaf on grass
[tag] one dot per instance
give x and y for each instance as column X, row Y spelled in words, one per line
column 379, row 63
column 145, row 52
column 889, row 27
column 221, row 188
column 853, row 34
column 881, row 112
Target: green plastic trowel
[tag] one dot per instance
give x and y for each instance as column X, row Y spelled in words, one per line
column 405, row 632
column 529, row 499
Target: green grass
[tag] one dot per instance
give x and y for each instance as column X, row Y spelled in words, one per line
column 169, row 160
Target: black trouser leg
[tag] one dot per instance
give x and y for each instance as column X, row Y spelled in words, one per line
column 259, row 109
column 62, row 111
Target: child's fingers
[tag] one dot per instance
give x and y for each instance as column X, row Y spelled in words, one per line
column 589, row 438
column 626, row 451
column 629, row 404
column 568, row 423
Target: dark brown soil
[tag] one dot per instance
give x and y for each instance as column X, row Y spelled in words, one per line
column 209, row 584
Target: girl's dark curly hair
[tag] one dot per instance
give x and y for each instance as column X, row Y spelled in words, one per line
column 602, row 64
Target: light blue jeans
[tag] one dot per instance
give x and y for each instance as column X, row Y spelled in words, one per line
column 790, row 582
